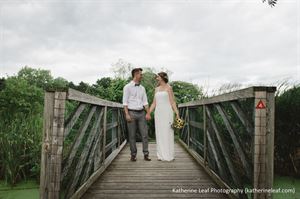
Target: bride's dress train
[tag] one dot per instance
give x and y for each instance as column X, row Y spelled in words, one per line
column 163, row 130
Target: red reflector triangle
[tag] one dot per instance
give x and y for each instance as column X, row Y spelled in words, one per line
column 260, row 105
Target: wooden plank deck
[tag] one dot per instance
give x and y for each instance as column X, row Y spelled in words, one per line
column 154, row 179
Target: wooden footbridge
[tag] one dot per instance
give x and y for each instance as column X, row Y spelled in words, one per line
column 225, row 148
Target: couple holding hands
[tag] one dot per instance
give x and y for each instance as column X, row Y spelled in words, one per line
column 137, row 112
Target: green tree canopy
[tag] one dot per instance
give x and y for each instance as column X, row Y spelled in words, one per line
column 42, row 78
column 149, row 83
column 185, row 92
column 116, row 89
column 38, row 77
column 19, row 96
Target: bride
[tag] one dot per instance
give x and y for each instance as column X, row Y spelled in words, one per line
column 164, row 105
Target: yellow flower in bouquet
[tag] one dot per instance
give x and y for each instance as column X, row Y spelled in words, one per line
column 178, row 123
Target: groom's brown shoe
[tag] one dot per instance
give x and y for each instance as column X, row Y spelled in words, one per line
column 146, row 157
column 133, row 158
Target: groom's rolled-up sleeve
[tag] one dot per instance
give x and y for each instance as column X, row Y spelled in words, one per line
column 125, row 96
column 145, row 99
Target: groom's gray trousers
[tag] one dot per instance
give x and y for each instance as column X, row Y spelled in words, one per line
column 138, row 121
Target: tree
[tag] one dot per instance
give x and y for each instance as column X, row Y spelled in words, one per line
column 104, row 82
column 42, row 78
column 101, row 88
column 84, row 87
column 185, row 92
column 2, row 83
column 116, row 89
column 21, row 110
column 270, row 2
column 38, row 77
column 122, row 69
column 19, row 96
column 71, row 85
column 149, row 83
column 59, row 82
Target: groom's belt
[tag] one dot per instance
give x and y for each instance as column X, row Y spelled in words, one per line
column 136, row 110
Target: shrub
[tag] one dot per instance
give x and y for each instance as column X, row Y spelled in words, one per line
column 287, row 130
column 21, row 106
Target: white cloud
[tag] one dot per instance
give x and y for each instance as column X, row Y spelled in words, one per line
column 204, row 42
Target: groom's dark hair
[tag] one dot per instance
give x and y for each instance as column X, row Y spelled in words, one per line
column 135, row 70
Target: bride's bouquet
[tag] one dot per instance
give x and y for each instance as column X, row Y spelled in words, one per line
column 178, row 123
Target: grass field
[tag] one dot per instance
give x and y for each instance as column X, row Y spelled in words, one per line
column 23, row 190
column 29, row 189
column 284, row 182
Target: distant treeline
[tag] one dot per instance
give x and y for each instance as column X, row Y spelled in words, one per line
column 21, row 112
column 21, row 117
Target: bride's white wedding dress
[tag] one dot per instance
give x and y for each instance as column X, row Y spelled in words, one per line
column 163, row 130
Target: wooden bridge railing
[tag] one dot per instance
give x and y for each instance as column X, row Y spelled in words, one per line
column 76, row 150
column 232, row 137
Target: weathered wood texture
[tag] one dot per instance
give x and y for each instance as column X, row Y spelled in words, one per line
column 226, row 158
column 87, row 184
column 83, row 97
column 120, row 178
column 264, row 143
column 154, row 179
column 235, row 95
column 67, row 173
column 45, row 157
column 53, row 133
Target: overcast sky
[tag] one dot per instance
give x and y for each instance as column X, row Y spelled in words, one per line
column 201, row 41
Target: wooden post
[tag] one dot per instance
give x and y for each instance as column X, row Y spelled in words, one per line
column 45, row 157
column 104, row 134
column 204, row 136
column 260, row 128
column 53, row 136
column 270, row 140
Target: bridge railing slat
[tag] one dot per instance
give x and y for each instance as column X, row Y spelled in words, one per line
column 77, row 150
column 233, row 139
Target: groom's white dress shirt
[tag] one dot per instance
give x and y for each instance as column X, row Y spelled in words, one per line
column 134, row 96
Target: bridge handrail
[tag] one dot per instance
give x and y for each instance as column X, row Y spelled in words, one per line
column 209, row 121
column 97, row 141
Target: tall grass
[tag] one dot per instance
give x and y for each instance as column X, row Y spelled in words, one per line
column 287, row 131
column 20, row 130
column 20, row 148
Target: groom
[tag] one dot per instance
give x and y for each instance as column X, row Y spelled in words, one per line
column 135, row 103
